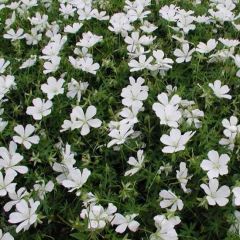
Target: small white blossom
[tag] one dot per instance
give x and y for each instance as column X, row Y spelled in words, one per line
column 9, row 159
column 15, row 197
column 167, row 111
column 3, row 65
column 215, row 165
column 89, row 40
column 165, row 228
column 82, row 120
column 25, row 137
column 29, row 62
column 76, row 179
column 97, row 216
column 216, row 195
column 120, row 135
column 136, row 163
column 42, row 188
column 125, row 222
column 76, row 88
column 236, row 194
column 6, row 84
column 40, row 108
column 11, row 34
column 142, row 63
column 5, row 236
column 184, row 54
column 169, row 199
column 175, row 141
column 6, row 183
column 208, row 47
column 219, row 90
column 25, row 214
column 182, row 176
column 53, row 87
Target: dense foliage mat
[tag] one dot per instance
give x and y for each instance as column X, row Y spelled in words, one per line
column 119, row 119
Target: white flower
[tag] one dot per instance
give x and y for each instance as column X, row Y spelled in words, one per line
column 161, row 64
column 175, row 141
column 185, row 22
column 229, row 142
column 67, row 10
column 182, row 176
column 130, row 114
column 85, row 64
column 73, row 28
column 120, row 135
column 41, row 21
column 148, row 27
column 231, row 126
column 219, row 90
column 167, row 110
column 6, row 184
column 5, row 236
column 9, row 22
column 25, row 214
column 76, row 179
column 66, row 165
column 208, row 47
column 193, row 117
column 15, row 198
column 136, row 41
column 41, row 188
column 135, row 93
column 236, row 194
column 169, row 199
column 33, row 38
column 136, row 163
column 3, row 65
column 97, row 216
column 169, row 115
column 229, row 42
column 231, row 132
column 89, row 40
column 235, row 227
column 52, row 65
column 120, row 23
column 6, row 84
column 10, row 159
column 25, row 137
column 125, row 222
column 216, row 195
column 165, row 228
column 40, row 109
column 76, row 88
column 142, row 63
column 29, row 62
column 215, row 165
column 164, row 99
column 184, row 54
column 53, row 87
column 82, row 120
column 169, row 13
column 3, row 124
column 11, row 34
column 101, row 16
column 85, row 13
column 138, row 12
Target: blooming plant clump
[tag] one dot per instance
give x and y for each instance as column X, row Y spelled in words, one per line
column 119, row 119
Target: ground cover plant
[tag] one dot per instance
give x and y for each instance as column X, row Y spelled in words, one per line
column 119, row 119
